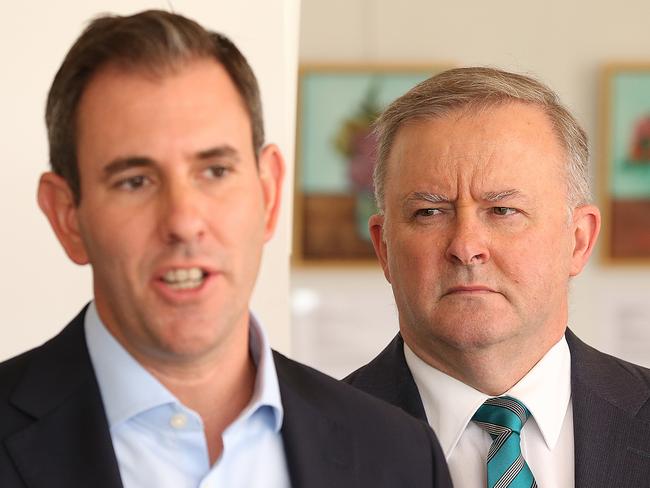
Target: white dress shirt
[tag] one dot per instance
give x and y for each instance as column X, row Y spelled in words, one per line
column 546, row 438
column 160, row 442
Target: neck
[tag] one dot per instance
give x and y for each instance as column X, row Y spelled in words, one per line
column 218, row 396
column 491, row 370
column 218, row 388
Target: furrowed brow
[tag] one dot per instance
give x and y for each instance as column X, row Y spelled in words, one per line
column 498, row 196
column 418, row 196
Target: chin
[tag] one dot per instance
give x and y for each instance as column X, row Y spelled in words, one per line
column 188, row 346
column 474, row 332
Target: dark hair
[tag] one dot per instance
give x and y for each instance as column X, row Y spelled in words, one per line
column 155, row 41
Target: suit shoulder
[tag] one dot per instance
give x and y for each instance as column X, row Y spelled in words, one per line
column 621, row 383
column 12, row 369
column 588, row 358
column 69, row 337
column 382, row 434
column 372, row 372
column 339, row 397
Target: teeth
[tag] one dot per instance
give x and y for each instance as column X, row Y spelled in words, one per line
column 184, row 278
column 195, row 274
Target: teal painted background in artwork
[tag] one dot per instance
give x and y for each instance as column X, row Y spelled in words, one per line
column 327, row 100
column 630, row 103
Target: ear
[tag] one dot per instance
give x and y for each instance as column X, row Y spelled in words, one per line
column 586, row 227
column 376, row 226
column 57, row 203
column 271, row 170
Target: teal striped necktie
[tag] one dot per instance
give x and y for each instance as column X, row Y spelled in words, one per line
column 503, row 418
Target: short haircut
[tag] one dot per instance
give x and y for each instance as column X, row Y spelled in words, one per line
column 153, row 41
column 479, row 88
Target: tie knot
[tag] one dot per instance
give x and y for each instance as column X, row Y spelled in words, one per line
column 501, row 414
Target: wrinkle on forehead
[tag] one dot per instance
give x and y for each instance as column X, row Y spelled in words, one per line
column 476, row 153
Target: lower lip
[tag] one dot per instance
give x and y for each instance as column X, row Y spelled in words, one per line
column 470, row 292
column 183, row 295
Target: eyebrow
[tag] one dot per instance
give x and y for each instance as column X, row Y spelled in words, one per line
column 491, row 196
column 417, row 196
column 224, row 151
column 122, row 164
column 497, row 196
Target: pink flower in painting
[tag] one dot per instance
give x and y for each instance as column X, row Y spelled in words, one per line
column 640, row 150
column 363, row 155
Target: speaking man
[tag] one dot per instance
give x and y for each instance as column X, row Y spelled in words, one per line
column 161, row 182
column 485, row 217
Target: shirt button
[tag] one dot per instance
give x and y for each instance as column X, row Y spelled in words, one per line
column 178, row 421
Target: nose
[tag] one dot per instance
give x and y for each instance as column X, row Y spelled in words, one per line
column 181, row 220
column 469, row 240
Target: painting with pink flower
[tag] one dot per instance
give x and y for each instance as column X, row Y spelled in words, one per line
column 626, row 163
column 336, row 155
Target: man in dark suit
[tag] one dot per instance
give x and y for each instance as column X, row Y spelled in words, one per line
column 485, row 216
column 161, row 182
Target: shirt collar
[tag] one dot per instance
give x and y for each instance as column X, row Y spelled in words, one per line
column 267, row 388
column 128, row 389
column 450, row 403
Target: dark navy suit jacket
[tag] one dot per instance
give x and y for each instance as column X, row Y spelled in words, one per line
column 611, row 410
column 54, row 432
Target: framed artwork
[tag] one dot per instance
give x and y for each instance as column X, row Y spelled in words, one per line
column 336, row 154
column 625, row 163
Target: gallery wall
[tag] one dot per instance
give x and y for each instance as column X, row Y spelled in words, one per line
column 342, row 316
column 41, row 289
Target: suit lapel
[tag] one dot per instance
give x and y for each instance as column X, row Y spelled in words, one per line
column 68, row 443
column 388, row 377
column 317, row 447
column 611, row 419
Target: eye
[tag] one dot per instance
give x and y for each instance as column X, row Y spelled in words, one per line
column 427, row 212
column 216, row 171
column 132, row 183
column 504, row 211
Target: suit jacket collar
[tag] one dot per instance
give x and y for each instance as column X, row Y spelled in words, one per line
column 611, row 410
column 316, row 442
column 68, row 443
column 388, row 377
column 611, row 418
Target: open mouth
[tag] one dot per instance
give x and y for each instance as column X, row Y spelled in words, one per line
column 184, row 278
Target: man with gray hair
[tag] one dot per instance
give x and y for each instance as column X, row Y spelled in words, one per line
column 485, row 217
column 161, row 181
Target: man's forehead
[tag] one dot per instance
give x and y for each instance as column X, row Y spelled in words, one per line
column 478, row 132
column 497, row 149
column 519, row 114
column 125, row 115
column 114, row 75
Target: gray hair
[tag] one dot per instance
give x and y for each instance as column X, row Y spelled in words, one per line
column 481, row 88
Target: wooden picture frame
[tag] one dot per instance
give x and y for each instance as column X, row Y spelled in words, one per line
column 625, row 163
column 335, row 153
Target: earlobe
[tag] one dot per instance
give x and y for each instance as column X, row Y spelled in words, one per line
column 586, row 227
column 271, row 169
column 376, row 227
column 58, row 204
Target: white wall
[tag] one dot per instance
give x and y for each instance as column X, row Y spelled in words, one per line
column 344, row 316
column 40, row 289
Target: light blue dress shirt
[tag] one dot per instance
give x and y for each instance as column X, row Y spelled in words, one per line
column 159, row 442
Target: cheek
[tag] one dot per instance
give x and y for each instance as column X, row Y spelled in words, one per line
column 534, row 267
column 115, row 238
column 415, row 261
column 239, row 221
